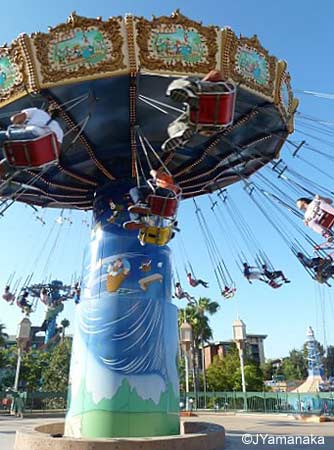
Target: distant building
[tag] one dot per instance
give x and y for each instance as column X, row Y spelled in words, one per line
column 254, row 349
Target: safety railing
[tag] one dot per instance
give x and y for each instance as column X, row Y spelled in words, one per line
column 261, row 402
column 256, row 402
column 37, row 401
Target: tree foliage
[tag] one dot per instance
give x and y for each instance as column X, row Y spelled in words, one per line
column 329, row 361
column 3, row 335
column 268, row 369
column 40, row 369
column 197, row 315
column 65, row 323
column 55, row 375
column 225, row 374
column 294, row 367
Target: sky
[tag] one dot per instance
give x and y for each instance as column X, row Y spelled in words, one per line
column 296, row 31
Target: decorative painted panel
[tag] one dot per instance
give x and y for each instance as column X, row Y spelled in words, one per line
column 173, row 44
column 13, row 75
column 176, row 44
column 285, row 94
column 82, row 48
column 284, row 99
column 246, row 62
column 9, row 74
column 252, row 65
column 78, row 48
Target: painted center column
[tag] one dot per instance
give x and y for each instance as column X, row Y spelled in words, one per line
column 123, row 378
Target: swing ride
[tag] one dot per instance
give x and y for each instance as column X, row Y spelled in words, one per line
column 153, row 112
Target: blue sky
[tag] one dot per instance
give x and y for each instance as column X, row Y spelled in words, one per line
column 298, row 32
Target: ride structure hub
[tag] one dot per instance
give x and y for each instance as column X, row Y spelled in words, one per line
column 126, row 336
column 108, row 79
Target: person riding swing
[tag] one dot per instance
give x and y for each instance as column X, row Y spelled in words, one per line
column 274, row 275
column 252, row 273
column 181, row 294
column 210, row 108
column 229, row 292
column 8, row 296
column 322, row 268
column 194, row 282
column 143, row 210
column 23, row 303
column 18, row 141
column 318, row 214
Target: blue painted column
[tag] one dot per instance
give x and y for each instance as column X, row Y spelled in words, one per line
column 123, row 378
column 313, row 358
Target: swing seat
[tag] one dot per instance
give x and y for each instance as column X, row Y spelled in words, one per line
column 155, row 235
column 214, row 109
column 36, row 153
column 327, row 221
column 163, row 206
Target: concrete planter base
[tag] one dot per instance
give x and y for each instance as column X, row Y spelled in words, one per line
column 194, row 436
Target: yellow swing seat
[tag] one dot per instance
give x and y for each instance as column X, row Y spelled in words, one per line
column 155, row 235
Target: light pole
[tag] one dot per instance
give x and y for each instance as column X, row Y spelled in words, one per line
column 22, row 339
column 186, row 336
column 239, row 337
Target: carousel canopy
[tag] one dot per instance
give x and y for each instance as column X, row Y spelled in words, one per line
column 109, row 79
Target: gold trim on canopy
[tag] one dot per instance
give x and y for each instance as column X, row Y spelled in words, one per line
column 89, row 48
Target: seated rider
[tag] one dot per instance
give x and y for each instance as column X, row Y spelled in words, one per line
column 274, row 275
column 44, row 297
column 163, row 186
column 228, row 292
column 323, row 267
column 252, row 273
column 312, row 263
column 194, row 282
column 76, row 293
column 22, row 301
column 8, row 296
column 31, row 123
column 180, row 293
column 186, row 90
column 314, row 212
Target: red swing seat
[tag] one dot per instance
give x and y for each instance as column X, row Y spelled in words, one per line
column 214, row 109
column 163, row 206
column 34, row 153
column 327, row 220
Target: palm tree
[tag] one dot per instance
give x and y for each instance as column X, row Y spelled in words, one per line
column 3, row 335
column 65, row 323
column 197, row 315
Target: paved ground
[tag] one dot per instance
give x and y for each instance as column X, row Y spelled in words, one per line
column 271, row 425
column 235, row 426
column 9, row 425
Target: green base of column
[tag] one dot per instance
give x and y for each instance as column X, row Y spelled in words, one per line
column 113, row 424
column 108, row 418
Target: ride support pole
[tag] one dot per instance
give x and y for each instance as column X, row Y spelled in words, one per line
column 123, row 376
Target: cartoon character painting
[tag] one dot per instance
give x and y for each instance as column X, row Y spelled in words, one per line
column 178, row 45
column 81, row 47
column 117, row 271
column 252, row 65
